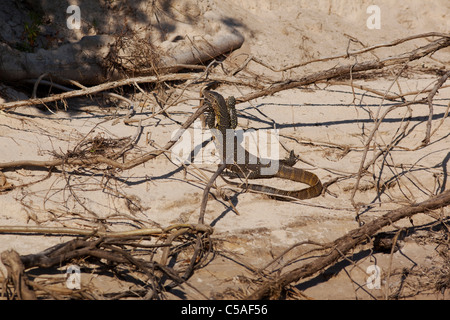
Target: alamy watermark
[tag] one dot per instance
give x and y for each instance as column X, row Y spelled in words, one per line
column 74, row 20
column 374, row 280
column 262, row 145
column 73, row 280
column 374, row 20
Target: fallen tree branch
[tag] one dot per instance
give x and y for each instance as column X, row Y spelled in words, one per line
column 353, row 53
column 118, row 248
column 102, row 159
column 16, row 274
column 433, row 92
column 120, row 255
column 98, row 233
column 219, row 170
column 126, row 82
column 347, row 69
column 344, row 244
column 97, row 89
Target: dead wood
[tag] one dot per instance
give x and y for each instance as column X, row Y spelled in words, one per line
column 96, row 160
column 16, row 274
column 96, row 89
column 95, row 232
column 344, row 244
column 86, row 91
column 276, row 87
column 433, row 92
column 107, row 247
column 349, row 69
column 114, row 247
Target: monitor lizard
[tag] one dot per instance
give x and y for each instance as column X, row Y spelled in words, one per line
column 221, row 115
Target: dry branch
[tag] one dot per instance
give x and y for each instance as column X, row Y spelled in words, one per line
column 344, row 244
column 348, row 69
column 433, row 92
column 15, row 267
column 125, row 82
column 352, row 53
column 98, row 233
column 96, row 160
column 119, row 249
column 96, row 89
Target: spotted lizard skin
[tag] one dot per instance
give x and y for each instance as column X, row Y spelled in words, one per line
column 221, row 115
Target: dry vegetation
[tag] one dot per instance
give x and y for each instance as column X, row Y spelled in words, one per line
column 150, row 261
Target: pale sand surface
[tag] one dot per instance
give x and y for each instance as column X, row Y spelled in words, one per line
column 319, row 123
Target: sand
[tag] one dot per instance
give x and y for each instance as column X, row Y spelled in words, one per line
column 326, row 126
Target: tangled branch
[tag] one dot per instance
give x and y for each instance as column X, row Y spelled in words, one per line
column 341, row 246
column 177, row 251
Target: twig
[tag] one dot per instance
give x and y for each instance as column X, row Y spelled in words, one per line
column 365, row 88
column 295, row 245
column 430, row 106
column 346, row 69
column 378, row 122
column 220, row 169
column 352, row 53
column 394, row 244
column 121, row 83
column 67, row 89
column 98, row 233
column 347, row 242
column 36, row 84
column 99, row 159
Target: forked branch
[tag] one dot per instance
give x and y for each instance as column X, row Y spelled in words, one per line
column 344, row 244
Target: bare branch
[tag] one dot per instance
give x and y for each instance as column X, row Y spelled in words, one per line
column 344, row 244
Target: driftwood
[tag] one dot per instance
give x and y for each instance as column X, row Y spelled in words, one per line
column 351, row 68
column 84, row 61
column 341, row 246
column 16, row 274
column 119, row 83
column 99, row 233
column 285, row 85
column 116, row 249
column 98, row 243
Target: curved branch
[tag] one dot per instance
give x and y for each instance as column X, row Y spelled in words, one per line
column 347, row 242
